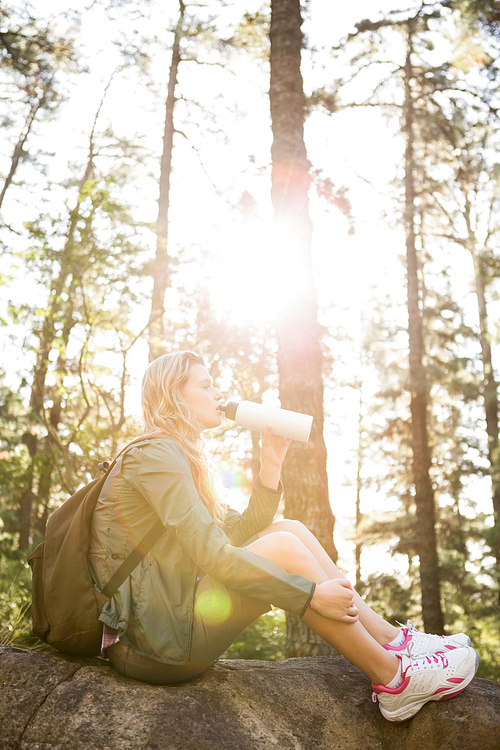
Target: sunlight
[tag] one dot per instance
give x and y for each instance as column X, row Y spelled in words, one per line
column 261, row 269
column 256, row 272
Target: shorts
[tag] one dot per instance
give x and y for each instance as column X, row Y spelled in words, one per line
column 214, row 630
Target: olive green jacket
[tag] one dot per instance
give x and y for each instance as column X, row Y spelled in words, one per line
column 153, row 608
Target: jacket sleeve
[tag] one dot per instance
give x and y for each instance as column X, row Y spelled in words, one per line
column 163, row 478
column 259, row 514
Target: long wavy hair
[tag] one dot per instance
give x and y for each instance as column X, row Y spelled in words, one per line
column 166, row 413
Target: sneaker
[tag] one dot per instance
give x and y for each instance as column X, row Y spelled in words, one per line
column 427, row 643
column 427, row 678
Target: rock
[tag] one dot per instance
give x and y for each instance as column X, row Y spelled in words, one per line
column 50, row 701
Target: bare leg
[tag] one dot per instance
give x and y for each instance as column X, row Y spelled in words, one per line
column 351, row 639
column 382, row 631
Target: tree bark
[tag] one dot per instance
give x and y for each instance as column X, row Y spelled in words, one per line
column 19, row 147
column 300, row 359
column 359, row 485
column 162, row 264
column 27, row 498
column 424, row 492
column 490, row 395
column 490, row 386
column 47, row 333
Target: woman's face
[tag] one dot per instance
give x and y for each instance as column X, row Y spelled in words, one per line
column 202, row 397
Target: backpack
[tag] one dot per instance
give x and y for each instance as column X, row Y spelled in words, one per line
column 65, row 605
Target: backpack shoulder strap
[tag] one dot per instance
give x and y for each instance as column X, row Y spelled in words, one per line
column 133, row 560
column 144, row 546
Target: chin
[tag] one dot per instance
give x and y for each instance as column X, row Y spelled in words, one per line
column 215, row 422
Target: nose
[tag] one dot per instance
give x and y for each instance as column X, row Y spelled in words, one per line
column 218, row 396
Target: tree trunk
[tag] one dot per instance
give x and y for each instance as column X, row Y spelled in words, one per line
column 424, row 492
column 162, row 263
column 28, row 497
column 300, row 359
column 359, row 485
column 19, row 147
column 490, row 396
column 47, row 333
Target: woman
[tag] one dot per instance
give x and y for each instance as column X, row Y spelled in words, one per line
column 214, row 571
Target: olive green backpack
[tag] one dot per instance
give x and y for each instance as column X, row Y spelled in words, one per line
column 65, row 606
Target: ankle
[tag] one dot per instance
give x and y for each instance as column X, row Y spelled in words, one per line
column 396, row 680
column 389, row 672
column 391, row 634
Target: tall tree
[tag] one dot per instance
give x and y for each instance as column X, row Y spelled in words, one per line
column 425, row 85
column 467, row 214
column 300, row 359
column 77, row 265
column 162, row 270
column 424, row 491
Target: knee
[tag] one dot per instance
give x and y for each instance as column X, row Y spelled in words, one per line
column 291, row 526
column 288, row 542
column 284, row 548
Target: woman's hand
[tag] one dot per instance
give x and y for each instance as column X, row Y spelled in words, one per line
column 335, row 600
column 274, row 448
column 272, row 455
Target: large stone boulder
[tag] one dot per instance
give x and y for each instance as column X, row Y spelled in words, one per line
column 49, row 702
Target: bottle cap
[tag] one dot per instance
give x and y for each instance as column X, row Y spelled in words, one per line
column 229, row 410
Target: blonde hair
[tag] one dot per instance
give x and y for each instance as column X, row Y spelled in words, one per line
column 166, row 413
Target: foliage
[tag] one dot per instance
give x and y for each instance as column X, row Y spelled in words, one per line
column 78, row 236
column 29, row 46
column 15, row 601
column 483, row 13
column 33, row 60
column 264, row 639
column 446, row 164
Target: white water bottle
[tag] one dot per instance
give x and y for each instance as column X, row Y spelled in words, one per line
column 286, row 423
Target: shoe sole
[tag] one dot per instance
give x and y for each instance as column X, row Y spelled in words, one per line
column 405, row 713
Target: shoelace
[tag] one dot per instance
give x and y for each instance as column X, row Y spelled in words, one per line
column 413, row 630
column 423, row 661
column 416, row 660
column 410, row 627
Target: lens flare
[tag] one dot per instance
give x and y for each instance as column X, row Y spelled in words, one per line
column 234, row 478
column 213, row 607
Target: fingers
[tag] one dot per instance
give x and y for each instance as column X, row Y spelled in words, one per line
column 268, row 433
column 344, row 582
column 350, row 618
column 347, row 618
column 334, row 599
column 352, row 613
column 346, row 593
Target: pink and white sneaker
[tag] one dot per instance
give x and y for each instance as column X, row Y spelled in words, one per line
column 429, row 678
column 423, row 644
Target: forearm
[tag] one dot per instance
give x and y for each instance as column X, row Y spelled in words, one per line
column 259, row 514
column 270, row 476
column 274, row 448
